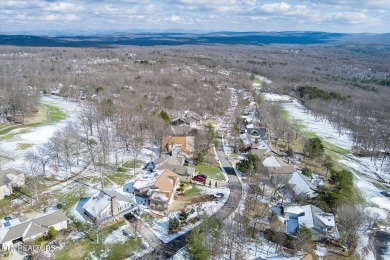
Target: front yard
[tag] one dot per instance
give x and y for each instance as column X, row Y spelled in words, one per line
column 118, row 246
column 211, row 171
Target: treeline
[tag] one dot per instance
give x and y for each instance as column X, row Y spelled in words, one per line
column 168, row 81
column 17, row 101
column 309, row 92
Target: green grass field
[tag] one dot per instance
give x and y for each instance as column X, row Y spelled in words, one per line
column 211, row 171
column 56, row 114
column 192, row 192
column 132, row 164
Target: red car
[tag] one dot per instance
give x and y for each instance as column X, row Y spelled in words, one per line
column 198, row 178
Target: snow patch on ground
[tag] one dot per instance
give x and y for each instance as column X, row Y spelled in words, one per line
column 75, row 235
column 117, row 236
column 276, row 97
column 322, row 128
column 39, row 135
column 321, row 251
column 375, row 213
column 160, row 226
column 382, row 202
column 264, row 79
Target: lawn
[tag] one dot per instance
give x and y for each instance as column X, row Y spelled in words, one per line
column 119, row 177
column 69, row 199
column 10, row 136
column 81, row 249
column 132, row 164
column 194, row 191
column 56, row 114
column 75, row 250
column 24, row 146
column 125, row 250
column 211, row 171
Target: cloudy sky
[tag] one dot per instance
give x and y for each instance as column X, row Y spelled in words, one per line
column 371, row 16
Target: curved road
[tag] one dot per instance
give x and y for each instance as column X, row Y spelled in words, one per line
column 380, row 244
column 164, row 251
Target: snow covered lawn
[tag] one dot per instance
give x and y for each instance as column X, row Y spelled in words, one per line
column 160, row 226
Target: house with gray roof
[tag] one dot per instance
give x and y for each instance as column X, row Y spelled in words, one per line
column 305, row 186
column 176, row 164
column 31, row 229
column 277, row 166
column 321, row 224
column 106, row 205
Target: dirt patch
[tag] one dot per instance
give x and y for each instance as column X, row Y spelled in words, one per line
column 38, row 117
column 181, row 202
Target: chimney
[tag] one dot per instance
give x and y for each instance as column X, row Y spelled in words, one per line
column 114, row 206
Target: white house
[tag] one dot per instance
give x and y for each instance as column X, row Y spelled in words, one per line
column 29, row 229
column 321, row 224
column 10, row 179
column 106, row 205
column 305, row 186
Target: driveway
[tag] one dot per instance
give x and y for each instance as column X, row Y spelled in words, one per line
column 380, row 244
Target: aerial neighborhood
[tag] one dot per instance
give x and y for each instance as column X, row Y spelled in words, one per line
column 163, row 154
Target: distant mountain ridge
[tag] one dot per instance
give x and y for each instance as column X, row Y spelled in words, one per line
column 180, row 38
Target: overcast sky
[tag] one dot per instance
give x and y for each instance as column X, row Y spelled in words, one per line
column 351, row 16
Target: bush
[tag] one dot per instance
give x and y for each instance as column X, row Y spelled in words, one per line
column 313, row 148
column 199, row 158
column 183, row 215
column 280, row 238
column 52, row 233
column 59, row 206
column 173, row 225
column 121, row 169
column 306, row 171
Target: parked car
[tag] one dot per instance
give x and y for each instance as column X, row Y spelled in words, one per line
column 198, row 178
column 385, row 193
column 202, row 175
column 130, row 217
column 149, row 166
column 219, row 195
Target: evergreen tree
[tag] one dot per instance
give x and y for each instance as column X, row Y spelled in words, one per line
column 164, row 115
column 196, row 245
column 313, row 148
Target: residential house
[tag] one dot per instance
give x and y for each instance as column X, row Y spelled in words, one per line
column 257, row 130
column 188, row 119
column 106, row 205
column 277, row 166
column 177, row 130
column 10, row 179
column 176, row 164
column 158, row 187
column 264, row 149
column 185, row 143
column 321, row 224
column 305, row 186
column 30, row 229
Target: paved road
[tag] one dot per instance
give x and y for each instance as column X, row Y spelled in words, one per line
column 380, row 244
column 164, row 251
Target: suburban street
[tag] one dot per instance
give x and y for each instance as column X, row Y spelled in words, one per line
column 165, row 251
